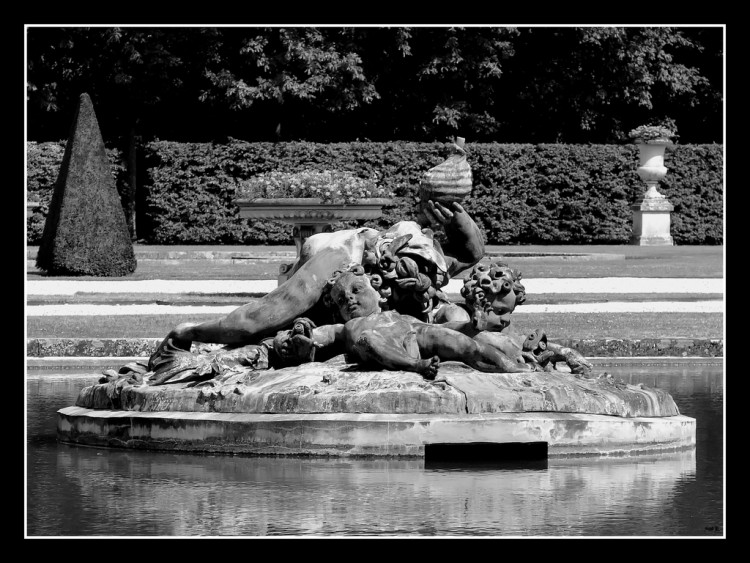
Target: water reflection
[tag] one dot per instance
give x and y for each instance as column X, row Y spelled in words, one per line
column 87, row 491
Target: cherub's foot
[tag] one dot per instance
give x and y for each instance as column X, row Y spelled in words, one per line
column 577, row 363
column 429, row 368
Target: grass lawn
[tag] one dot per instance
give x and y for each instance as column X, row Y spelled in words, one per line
column 614, row 261
column 556, row 325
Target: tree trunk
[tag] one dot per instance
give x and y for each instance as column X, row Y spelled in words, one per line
column 132, row 183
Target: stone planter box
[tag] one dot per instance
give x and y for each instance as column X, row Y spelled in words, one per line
column 310, row 210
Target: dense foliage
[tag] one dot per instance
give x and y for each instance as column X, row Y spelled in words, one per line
column 523, row 193
column 574, row 85
column 503, row 84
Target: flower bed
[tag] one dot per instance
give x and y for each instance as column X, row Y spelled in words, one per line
column 328, row 186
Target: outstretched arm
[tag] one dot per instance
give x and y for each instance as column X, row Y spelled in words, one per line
column 329, row 335
column 300, row 344
column 465, row 246
column 480, row 354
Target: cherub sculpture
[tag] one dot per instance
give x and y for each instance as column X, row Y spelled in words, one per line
column 409, row 263
column 491, row 293
column 381, row 339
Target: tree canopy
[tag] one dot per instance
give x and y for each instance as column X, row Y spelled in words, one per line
column 504, row 84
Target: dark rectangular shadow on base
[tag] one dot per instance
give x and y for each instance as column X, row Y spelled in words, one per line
column 486, row 455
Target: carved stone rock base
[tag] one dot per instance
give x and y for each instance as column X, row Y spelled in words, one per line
column 336, row 408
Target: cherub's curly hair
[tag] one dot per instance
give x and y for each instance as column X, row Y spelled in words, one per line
column 496, row 277
column 403, row 285
column 376, row 282
column 411, row 281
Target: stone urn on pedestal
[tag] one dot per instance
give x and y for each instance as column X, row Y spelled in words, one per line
column 651, row 212
column 310, row 201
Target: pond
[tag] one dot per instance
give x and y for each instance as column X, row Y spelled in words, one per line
column 78, row 491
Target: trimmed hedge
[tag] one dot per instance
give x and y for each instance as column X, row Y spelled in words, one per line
column 582, row 194
column 85, row 233
column 523, row 194
column 191, row 186
column 43, row 162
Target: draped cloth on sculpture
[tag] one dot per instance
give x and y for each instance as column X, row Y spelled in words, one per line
column 421, row 245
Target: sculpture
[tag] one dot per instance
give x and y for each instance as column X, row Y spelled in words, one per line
column 410, row 265
column 410, row 325
column 343, row 359
column 386, row 339
column 491, row 293
column 478, row 332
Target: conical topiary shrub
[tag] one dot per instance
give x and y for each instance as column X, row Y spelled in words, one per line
column 85, row 233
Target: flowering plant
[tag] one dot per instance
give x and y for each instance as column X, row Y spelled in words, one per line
column 331, row 186
column 648, row 133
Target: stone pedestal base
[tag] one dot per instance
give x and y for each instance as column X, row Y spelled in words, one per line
column 335, row 408
column 371, row 435
column 651, row 222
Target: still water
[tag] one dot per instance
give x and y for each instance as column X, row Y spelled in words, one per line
column 77, row 491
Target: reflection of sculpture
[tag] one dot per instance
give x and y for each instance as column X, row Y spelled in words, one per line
column 389, row 339
column 411, row 266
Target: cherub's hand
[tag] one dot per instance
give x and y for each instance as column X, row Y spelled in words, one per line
column 296, row 346
column 429, row 368
column 440, row 215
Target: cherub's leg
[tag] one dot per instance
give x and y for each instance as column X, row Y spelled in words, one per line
column 449, row 345
column 250, row 323
column 394, row 349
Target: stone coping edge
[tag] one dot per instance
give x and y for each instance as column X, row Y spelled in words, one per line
column 140, row 347
column 360, row 434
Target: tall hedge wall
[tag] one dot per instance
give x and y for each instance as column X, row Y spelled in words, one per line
column 523, row 194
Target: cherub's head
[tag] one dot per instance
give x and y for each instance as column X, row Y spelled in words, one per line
column 352, row 295
column 495, row 288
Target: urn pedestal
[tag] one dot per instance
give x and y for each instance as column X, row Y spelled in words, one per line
column 651, row 213
column 308, row 216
